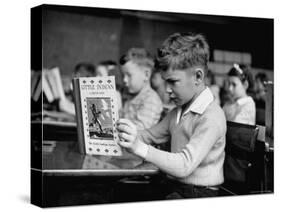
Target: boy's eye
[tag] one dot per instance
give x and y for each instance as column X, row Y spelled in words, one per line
column 232, row 84
column 171, row 81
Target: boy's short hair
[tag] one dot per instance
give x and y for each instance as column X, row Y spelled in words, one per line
column 182, row 51
column 140, row 56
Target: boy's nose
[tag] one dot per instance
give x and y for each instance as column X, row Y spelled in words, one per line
column 168, row 89
column 230, row 88
column 125, row 80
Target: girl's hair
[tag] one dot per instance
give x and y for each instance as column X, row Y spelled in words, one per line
column 140, row 56
column 87, row 66
column 262, row 77
column 182, row 51
column 243, row 72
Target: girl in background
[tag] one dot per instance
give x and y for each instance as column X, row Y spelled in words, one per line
column 241, row 108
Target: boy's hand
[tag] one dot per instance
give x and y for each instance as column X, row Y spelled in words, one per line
column 128, row 138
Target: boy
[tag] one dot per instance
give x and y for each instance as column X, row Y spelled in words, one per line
column 196, row 127
column 144, row 107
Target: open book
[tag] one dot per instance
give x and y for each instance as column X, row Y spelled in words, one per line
column 96, row 114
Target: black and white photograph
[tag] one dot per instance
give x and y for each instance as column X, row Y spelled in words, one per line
column 134, row 105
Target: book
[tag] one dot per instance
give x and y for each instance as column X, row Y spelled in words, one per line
column 36, row 85
column 47, row 88
column 96, row 115
column 53, row 77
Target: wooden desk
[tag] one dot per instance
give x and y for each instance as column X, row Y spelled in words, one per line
column 70, row 178
column 65, row 160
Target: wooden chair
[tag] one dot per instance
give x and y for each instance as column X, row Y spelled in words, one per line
column 242, row 166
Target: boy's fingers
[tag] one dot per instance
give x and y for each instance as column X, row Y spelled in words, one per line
column 124, row 128
column 126, row 137
column 124, row 144
column 125, row 122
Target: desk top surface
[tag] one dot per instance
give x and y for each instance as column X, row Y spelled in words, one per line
column 64, row 159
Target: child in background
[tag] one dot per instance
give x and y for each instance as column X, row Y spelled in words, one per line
column 242, row 108
column 196, row 127
column 211, row 83
column 260, row 97
column 84, row 70
column 260, row 91
column 110, row 68
column 144, row 107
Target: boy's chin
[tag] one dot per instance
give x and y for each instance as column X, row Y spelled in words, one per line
column 133, row 91
column 177, row 102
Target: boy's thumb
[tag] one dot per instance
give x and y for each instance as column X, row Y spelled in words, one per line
column 124, row 144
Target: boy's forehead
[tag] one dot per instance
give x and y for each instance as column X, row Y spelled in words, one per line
column 132, row 66
column 171, row 73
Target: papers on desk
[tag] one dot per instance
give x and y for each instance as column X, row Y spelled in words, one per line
column 54, row 118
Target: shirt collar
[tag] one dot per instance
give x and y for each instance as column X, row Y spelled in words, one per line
column 200, row 103
column 243, row 100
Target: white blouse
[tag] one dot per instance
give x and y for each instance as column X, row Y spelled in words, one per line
column 241, row 111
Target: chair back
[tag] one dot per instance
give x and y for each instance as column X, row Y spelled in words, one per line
column 240, row 147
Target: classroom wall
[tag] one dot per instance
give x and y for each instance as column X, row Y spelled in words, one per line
column 70, row 37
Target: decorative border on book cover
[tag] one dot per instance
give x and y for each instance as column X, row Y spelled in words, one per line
column 99, row 115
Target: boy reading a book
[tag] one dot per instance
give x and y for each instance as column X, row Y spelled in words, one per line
column 145, row 106
column 196, row 127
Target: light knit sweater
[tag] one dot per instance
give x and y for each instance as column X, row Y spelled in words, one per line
column 197, row 142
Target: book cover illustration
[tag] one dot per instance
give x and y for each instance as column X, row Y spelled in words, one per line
column 97, row 113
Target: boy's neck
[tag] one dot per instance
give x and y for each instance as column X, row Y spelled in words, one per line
column 146, row 85
column 185, row 106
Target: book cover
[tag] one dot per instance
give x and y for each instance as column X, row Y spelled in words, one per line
column 96, row 114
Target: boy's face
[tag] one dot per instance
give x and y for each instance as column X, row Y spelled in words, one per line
column 180, row 85
column 134, row 77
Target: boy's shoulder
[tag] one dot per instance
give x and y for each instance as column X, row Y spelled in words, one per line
column 215, row 112
column 150, row 95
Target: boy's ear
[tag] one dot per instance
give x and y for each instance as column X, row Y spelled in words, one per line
column 147, row 73
column 199, row 75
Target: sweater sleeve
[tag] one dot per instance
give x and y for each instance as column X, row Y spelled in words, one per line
column 205, row 135
column 157, row 134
